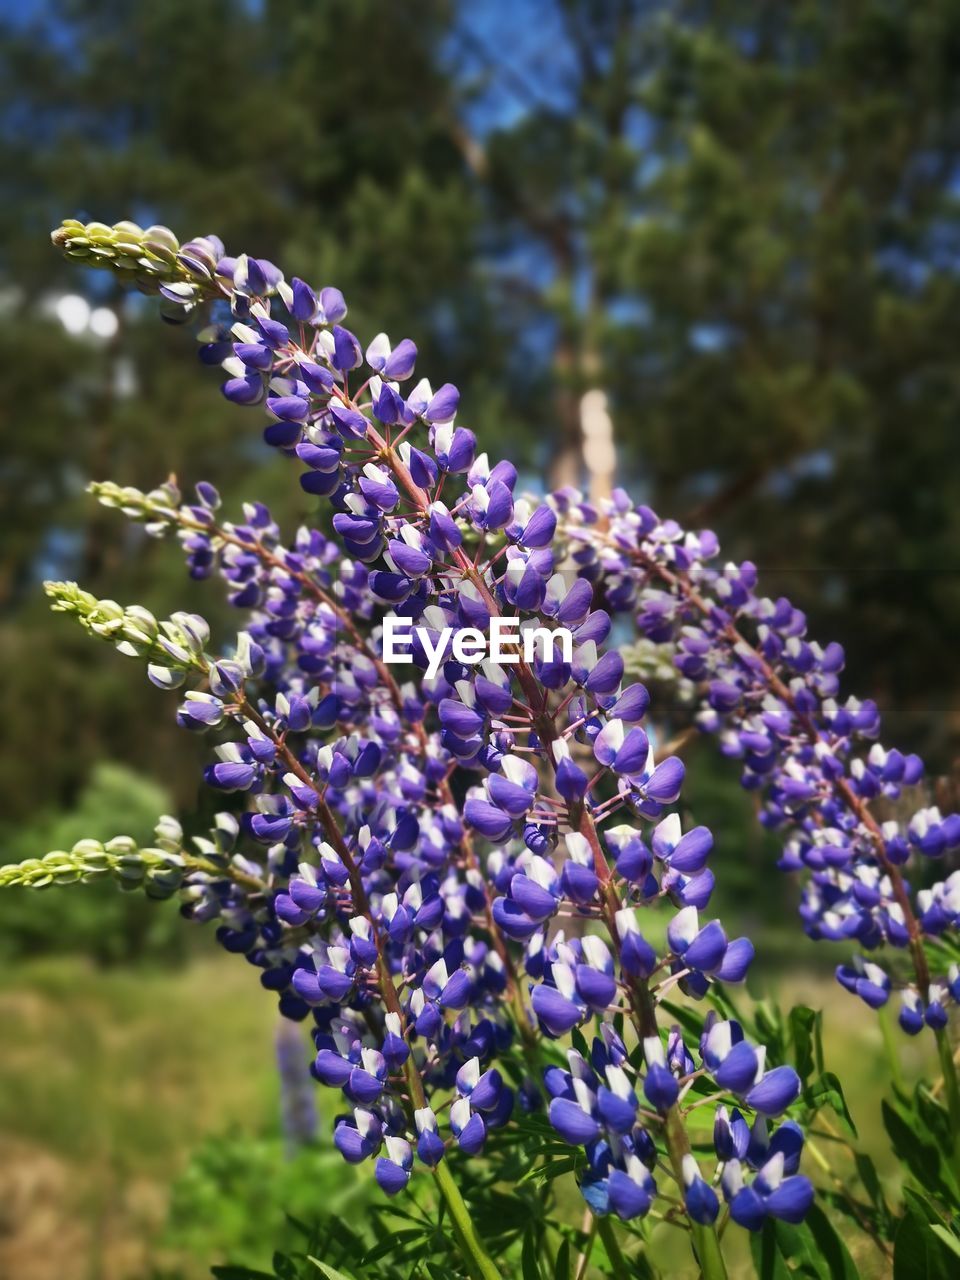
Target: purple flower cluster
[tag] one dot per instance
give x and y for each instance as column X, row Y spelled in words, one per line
column 597, row 1104
column 351, row 878
column 772, row 697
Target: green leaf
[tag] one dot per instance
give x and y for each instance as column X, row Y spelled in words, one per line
column 839, row 1263
column 912, row 1144
column 687, row 1018
column 771, row 1031
column 936, row 1119
column 284, row 1268
column 867, row 1171
column 579, row 1043
column 561, row 1266
column 826, row 1091
column 919, row 1250
column 813, row 1249
column 923, row 1208
column 781, row 1252
column 947, row 1237
column 328, row 1272
column 528, row 1258
column 394, row 1241
column 554, row 1168
column 241, row 1273
column 804, row 1023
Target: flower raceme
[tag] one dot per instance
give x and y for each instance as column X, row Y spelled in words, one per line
column 772, row 698
column 445, row 866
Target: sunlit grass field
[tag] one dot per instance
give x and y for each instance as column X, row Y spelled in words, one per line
column 112, row 1079
column 108, row 1080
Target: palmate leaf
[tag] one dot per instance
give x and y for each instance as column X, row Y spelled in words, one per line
column 769, row 1029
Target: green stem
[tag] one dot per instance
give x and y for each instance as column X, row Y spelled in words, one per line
column 607, row 1234
column 479, row 1264
column 706, row 1246
column 951, row 1088
column 890, row 1046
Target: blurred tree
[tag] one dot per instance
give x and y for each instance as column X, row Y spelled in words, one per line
column 315, row 135
column 740, row 221
column 735, row 221
column 101, row 923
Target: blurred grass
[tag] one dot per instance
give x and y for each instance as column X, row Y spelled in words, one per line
column 110, row 1080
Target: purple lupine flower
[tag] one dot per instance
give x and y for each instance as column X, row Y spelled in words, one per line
column 362, row 887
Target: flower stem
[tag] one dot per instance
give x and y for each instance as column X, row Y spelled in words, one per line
column 706, row 1246
column 479, row 1263
column 951, row 1088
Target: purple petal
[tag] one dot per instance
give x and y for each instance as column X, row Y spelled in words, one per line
column 557, row 1014
column 791, row 1200
column 707, row 949
column 572, row 1122
column 775, row 1092
column 399, row 363
column 738, row 1070
column 444, row 404
column 391, row 1177
column 628, row 1198
column 737, row 961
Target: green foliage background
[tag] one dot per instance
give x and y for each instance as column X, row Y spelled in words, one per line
column 738, row 219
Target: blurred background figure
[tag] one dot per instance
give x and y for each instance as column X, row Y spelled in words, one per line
column 708, row 251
